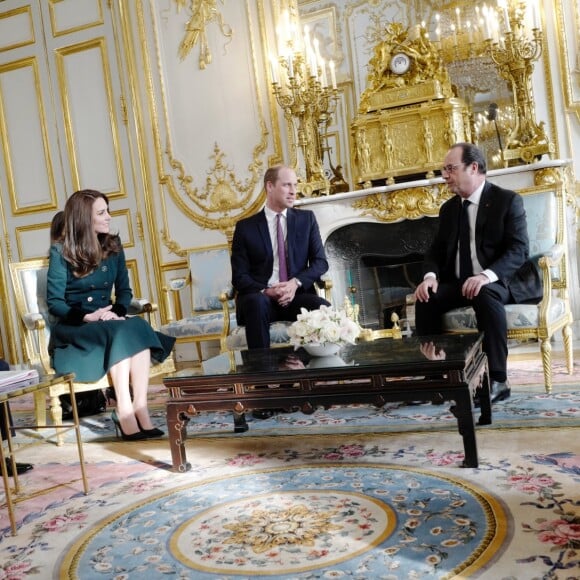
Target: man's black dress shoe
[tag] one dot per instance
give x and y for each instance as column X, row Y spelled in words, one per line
column 500, row 391
column 264, row 413
column 20, row 468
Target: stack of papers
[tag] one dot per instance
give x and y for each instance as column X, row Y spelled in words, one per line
column 15, row 379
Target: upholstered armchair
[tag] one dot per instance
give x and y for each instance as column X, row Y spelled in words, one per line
column 545, row 210
column 212, row 311
column 29, row 284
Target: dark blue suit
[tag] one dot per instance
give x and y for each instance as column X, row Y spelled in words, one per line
column 252, row 265
column 501, row 239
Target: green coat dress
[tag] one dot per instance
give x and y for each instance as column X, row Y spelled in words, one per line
column 90, row 349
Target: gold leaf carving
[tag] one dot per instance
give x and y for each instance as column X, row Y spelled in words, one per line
column 223, row 192
column 412, row 203
column 547, row 176
column 224, row 200
column 171, row 245
column 202, row 13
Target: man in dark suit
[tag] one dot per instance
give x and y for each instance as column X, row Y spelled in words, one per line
column 267, row 288
column 492, row 271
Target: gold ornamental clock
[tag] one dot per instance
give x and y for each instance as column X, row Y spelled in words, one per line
column 408, row 116
column 400, row 63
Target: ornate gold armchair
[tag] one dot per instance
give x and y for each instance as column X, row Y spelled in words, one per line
column 545, row 209
column 29, row 283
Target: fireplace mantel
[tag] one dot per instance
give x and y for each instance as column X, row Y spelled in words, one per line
column 417, row 199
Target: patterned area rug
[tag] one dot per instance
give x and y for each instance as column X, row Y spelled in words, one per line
column 304, row 507
column 341, row 518
column 526, row 369
column 350, row 492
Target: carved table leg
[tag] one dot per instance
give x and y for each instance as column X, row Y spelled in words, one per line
column 466, row 426
column 485, row 401
column 240, row 424
column 177, row 427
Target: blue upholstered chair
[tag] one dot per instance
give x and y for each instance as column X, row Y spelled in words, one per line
column 545, row 209
column 210, row 301
column 29, row 284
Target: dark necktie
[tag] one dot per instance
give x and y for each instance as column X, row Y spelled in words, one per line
column 282, row 267
column 465, row 265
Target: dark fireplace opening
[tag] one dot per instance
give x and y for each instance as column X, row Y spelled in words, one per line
column 385, row 283
column 382, row 261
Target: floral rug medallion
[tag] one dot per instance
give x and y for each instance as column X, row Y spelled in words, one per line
column 343, row 518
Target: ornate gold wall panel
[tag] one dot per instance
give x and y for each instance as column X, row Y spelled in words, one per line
column 29, row 238
column 567, row 14
column 24, row 135
column 90, row 116
column 123, row 223
column 134, row 279
column 68, row 16
column 16, row 28
column 61, row 78
column 217, row 198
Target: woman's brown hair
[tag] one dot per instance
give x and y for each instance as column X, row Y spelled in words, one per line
column 81, row 247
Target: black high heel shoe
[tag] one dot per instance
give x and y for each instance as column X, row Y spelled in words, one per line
column 138, row 436
column 150, row 433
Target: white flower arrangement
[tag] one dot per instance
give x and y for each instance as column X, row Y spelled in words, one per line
column 326, row 325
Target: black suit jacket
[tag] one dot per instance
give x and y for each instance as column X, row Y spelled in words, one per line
column 253, row 256
column 501, row 240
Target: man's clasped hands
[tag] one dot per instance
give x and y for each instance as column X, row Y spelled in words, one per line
column 282, row 292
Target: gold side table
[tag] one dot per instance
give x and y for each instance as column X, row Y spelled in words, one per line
column 8, row 393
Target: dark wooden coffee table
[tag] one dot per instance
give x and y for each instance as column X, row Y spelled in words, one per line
column 374, row 372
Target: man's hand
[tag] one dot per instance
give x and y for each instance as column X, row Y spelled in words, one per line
column 432, row 352
column 292, row 362
column 283, row 292
column 422, row 291
column 473, row 285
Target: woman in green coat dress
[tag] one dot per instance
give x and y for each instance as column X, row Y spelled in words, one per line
column 92, row 335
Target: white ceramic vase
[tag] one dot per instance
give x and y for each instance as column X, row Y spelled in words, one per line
column 326, row 349
column 323, row 362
